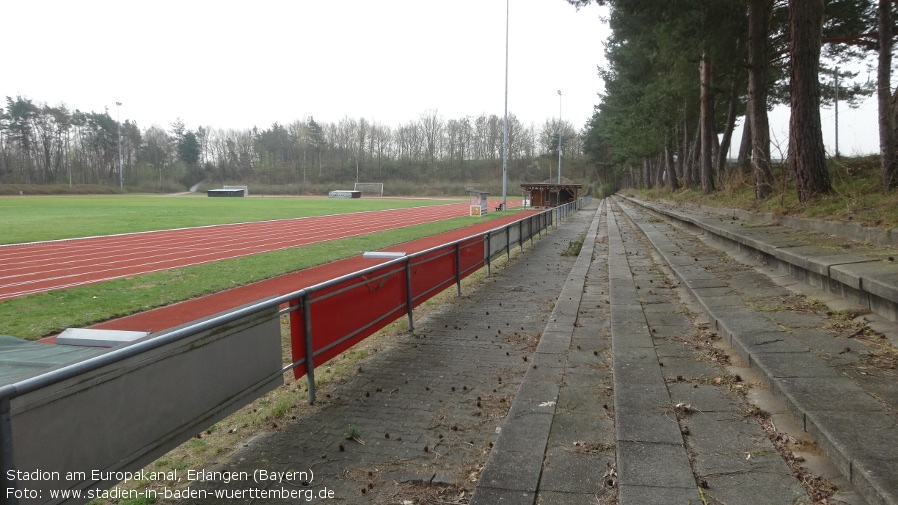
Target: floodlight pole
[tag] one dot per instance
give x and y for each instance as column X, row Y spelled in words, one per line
column 121, row 174
column 836, row 71
column 559, row 137
column 505, row 122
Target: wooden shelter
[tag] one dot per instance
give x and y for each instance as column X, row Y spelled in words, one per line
column 551, row 193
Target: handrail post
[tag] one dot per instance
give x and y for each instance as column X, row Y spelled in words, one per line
column 458, row 268
column 521, row 235
column 508, row 243
column 310, row 348
column 409, row 304
column 489, row 255
column 7, row 463
column 530, row 229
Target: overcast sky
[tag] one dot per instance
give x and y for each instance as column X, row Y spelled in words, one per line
column 228, row 65
column 235, row 65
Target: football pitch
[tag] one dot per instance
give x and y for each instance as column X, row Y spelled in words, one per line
column 41, row 218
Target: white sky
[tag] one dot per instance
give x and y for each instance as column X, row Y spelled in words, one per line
column 858, row 129
column 224, row 64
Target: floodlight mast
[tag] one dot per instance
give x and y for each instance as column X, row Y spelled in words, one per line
column 559, row 137
column 505, row 122
column 121, row 174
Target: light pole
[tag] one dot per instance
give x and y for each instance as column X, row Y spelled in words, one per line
column 121, row 175
column 559, row 137
column 505, row 123
column 836, row 71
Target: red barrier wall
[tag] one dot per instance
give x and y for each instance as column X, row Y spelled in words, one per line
column 349, row 311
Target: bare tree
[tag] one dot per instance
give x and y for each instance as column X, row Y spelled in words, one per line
column 432, row 127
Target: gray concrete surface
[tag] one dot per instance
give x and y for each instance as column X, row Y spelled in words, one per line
column 427, row 407
column 803, row 354
column 652, row 368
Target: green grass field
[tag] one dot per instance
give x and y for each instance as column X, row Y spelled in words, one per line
column 39, row 315
column 38, row 218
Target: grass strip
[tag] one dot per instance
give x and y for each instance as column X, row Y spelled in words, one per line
column 857, row 195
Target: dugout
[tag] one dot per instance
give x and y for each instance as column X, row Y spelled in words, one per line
column 479, row 204
column 551, row 194
column 226, row 192
column 344, row 193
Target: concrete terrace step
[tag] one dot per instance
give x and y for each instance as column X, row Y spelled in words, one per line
column 850, row 416
column 864, row 274
column 514, row 472
column 653, row 465
column 619, row 405
column 685, row 431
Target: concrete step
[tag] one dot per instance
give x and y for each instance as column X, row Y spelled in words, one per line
column 684, row 427
column 813, row 362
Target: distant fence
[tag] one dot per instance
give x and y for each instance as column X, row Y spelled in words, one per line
column 121, row 410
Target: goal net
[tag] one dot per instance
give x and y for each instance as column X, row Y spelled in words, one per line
column 244, row 188
column 370, row 188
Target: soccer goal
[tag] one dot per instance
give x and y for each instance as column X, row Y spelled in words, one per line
column 370, row 188
column 244, row 188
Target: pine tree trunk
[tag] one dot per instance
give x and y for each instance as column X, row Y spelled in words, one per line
column 887, row 148
column 707, row 127
column 692, row 158
column 677, row 150
column 744, row 157
column 672, row 180
column 759, row 12
column 646, row 174
column 684, row 153
column 807, row 154
column 727, row 137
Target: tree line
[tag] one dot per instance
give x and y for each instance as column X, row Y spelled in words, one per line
column 680, row 73
column 43, row 144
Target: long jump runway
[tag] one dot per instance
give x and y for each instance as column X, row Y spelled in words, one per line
column 45, row 266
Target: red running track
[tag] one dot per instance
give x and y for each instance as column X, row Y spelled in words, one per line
column 197, row 308
column 45, row 266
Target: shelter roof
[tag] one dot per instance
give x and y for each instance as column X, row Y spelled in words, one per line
column 552, row 184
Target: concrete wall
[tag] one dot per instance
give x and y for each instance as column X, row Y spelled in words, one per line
column 126, row 415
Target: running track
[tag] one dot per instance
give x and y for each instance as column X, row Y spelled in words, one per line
column 45, row 266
